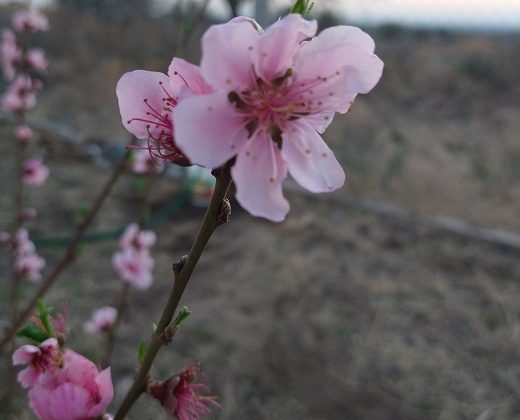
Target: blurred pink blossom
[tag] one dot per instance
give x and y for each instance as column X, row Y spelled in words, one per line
column 134, row 267
column 142, row 240
column 36, row 59
column 44, row 358
column 23, row 132
column 30, row 20
column 35, row 173
column 146, row 100
column 180, row 395
column 10, row 54
column 275, row 93
column 30, row 265
column 143, row 162
column 27, row 261
column 76, row 391
column 29, row 213
column 21, row 94
column 101, row 320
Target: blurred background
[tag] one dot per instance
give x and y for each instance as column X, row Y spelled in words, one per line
column 397, row 297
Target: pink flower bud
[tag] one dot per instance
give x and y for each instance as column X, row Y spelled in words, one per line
column 102, row 320
column 23, row 133
column 36, row 59
column 35, row 173
column 29, row 213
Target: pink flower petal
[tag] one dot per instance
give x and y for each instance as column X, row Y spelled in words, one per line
column 310, row 161
column 226, row 54
column 25, row 354
column 352, row 52
column 279, row 43
column 28, row 377
column 258, row 174
column 105, row 390
column 186, row 75
column 208, row 129
column 132, row 89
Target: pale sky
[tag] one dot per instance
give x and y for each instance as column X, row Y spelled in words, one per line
column 495, row 14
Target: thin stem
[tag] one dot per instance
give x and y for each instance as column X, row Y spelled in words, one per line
column 210, row 222
column 111, row 334
column 21, row 151
column 70, row 253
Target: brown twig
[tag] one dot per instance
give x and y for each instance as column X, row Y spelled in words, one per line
column 182, row 275
column 70, row 253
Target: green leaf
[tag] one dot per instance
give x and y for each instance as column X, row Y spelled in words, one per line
column 141, row 351
column 45, row 318
column 183, row 314
column 33, row 333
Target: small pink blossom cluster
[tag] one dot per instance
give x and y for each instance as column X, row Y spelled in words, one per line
column 133, row 262
column 27, row 262
column 62, row 384
column 259, row 101
column 18, row 63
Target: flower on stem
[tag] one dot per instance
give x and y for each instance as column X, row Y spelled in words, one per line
column 134, row 267
column 10, row 54
column 146, row 100
column 275, row 92
column 21, row 94
column 180, row 395
column 35, row 173
column 44, row 358
column 30, row 20
column 101, row 320
column 75, row 391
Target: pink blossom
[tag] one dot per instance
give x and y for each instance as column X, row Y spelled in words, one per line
column 30, row 20
column 180, row 395
column 27, row 261
column 21, row 94
column 147, row 98
column 29, row 213
column 23, row 245
column 134, row 267
column 5, row 238
column 36, row 59
column 10, row 54
column 275, row 92
column 30, row 265
column 35, row 173
column 142, row 240
column 76, row 391
column 23, row 133
column 44, row 358
column 102, row 320
column 143, row 162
